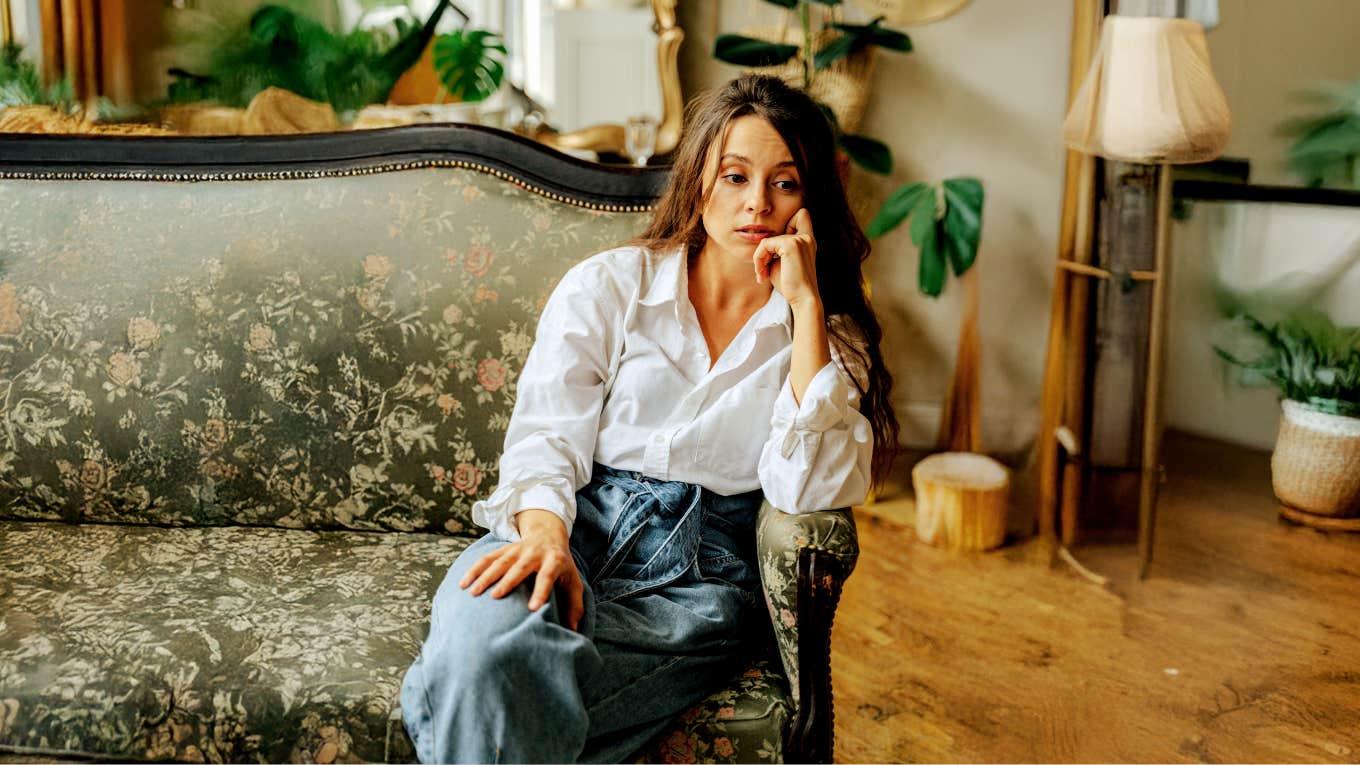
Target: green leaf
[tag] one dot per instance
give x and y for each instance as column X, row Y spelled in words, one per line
column 895, row 209
column 924, row 234
column 873, row 34
column 748, row 51
column 962, row 225
column 923, row 217
column 466, row 65
column 784, row 3
column 868, row 153
column 892, row 40
column 835, row 50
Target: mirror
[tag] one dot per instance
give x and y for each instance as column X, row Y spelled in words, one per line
column 1264, row 54
column 604, row 73
column 586, row 66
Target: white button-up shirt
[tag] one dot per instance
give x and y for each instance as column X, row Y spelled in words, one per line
column 620, row 374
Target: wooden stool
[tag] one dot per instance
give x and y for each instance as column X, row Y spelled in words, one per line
column 961, row 500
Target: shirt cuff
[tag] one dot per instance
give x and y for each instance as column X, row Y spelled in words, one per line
column 825, row 405
column 497, row 512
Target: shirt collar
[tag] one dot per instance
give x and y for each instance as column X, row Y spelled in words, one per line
column 670, row 284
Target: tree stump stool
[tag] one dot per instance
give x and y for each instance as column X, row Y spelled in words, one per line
column 961, row 500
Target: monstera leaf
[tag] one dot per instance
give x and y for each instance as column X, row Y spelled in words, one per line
column 467, row 65
column 947, row 236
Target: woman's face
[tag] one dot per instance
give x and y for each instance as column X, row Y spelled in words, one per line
column 756, row 188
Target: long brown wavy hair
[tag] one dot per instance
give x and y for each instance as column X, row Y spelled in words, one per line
column 842, row 246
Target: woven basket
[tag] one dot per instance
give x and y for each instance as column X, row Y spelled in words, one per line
column 1316, row 464
column 843, row 86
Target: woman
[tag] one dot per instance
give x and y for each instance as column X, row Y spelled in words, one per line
column 727, row 354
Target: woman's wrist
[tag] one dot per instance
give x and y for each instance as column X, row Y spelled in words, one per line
column 536, row 522
column 807, row 310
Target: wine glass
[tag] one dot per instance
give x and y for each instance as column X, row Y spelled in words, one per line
column 640, row 139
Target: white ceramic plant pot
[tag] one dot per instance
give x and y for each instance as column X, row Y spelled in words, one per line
column 1316, row 464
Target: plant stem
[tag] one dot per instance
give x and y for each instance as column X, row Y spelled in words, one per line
column 805, row 18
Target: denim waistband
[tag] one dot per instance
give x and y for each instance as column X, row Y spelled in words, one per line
column 657, row 530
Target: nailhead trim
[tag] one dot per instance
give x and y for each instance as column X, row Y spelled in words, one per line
column 826, row 550
column 272, row 175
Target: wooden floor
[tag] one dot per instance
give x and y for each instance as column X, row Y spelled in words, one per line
column 1243, row 645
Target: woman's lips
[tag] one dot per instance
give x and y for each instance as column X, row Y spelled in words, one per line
column 754, row 236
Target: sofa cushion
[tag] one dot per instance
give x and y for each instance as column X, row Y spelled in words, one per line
column 210, row 644
column 744, row 722
column 256, row 644
column 321, row 353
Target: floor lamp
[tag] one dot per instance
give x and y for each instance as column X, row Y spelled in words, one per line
column 1150, row 97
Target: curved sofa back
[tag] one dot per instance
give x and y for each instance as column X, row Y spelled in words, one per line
column 305, row 332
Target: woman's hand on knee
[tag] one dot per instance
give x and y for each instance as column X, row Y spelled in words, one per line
column 542, row 550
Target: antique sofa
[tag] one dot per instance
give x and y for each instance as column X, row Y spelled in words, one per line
column 249, row 389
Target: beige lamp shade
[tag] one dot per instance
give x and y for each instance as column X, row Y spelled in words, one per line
column 1150, row 95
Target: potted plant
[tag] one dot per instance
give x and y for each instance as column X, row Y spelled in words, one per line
column 1315, row 366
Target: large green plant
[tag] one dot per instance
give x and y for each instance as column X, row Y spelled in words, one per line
column 1326, row 148
column 281, row 47
column 946, row 218
column 1305, row 356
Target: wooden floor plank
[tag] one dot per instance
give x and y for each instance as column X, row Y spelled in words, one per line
column 1242, row 646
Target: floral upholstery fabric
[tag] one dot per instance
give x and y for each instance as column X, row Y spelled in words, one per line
column 779, row 537
column 235, row 644
column 324, row 353
column 742, row 723
column 210, row 644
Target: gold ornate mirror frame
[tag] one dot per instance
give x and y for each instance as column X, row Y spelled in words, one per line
column 610, row 138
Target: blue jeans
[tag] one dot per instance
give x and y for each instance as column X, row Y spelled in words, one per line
column 670, row 590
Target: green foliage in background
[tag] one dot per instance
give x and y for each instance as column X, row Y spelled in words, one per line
column 466, row 65
column 1305, row 356
column 1326, row 148
column 946, row 219
column 946, row 234
column 282, row 47
column 20, row 83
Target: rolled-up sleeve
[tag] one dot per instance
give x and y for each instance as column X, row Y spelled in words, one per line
column 550, row 442
column 819, row 453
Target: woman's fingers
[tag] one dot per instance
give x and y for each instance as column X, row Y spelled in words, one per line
column 509, row 566
column 766, row 257
column 512, row 577
column 478, row 567
column 492, row 574
column 801, row 223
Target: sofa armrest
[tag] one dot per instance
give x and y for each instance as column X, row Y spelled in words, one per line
column 804, row 561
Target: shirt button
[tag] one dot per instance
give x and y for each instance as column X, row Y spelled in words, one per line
column 658, row 438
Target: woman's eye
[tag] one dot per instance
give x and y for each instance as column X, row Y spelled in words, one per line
column 735, row 178
column 788, row 185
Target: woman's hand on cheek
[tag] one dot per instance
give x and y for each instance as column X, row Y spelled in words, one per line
column 789, row 260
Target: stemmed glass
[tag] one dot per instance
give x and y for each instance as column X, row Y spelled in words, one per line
column 640, row 139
